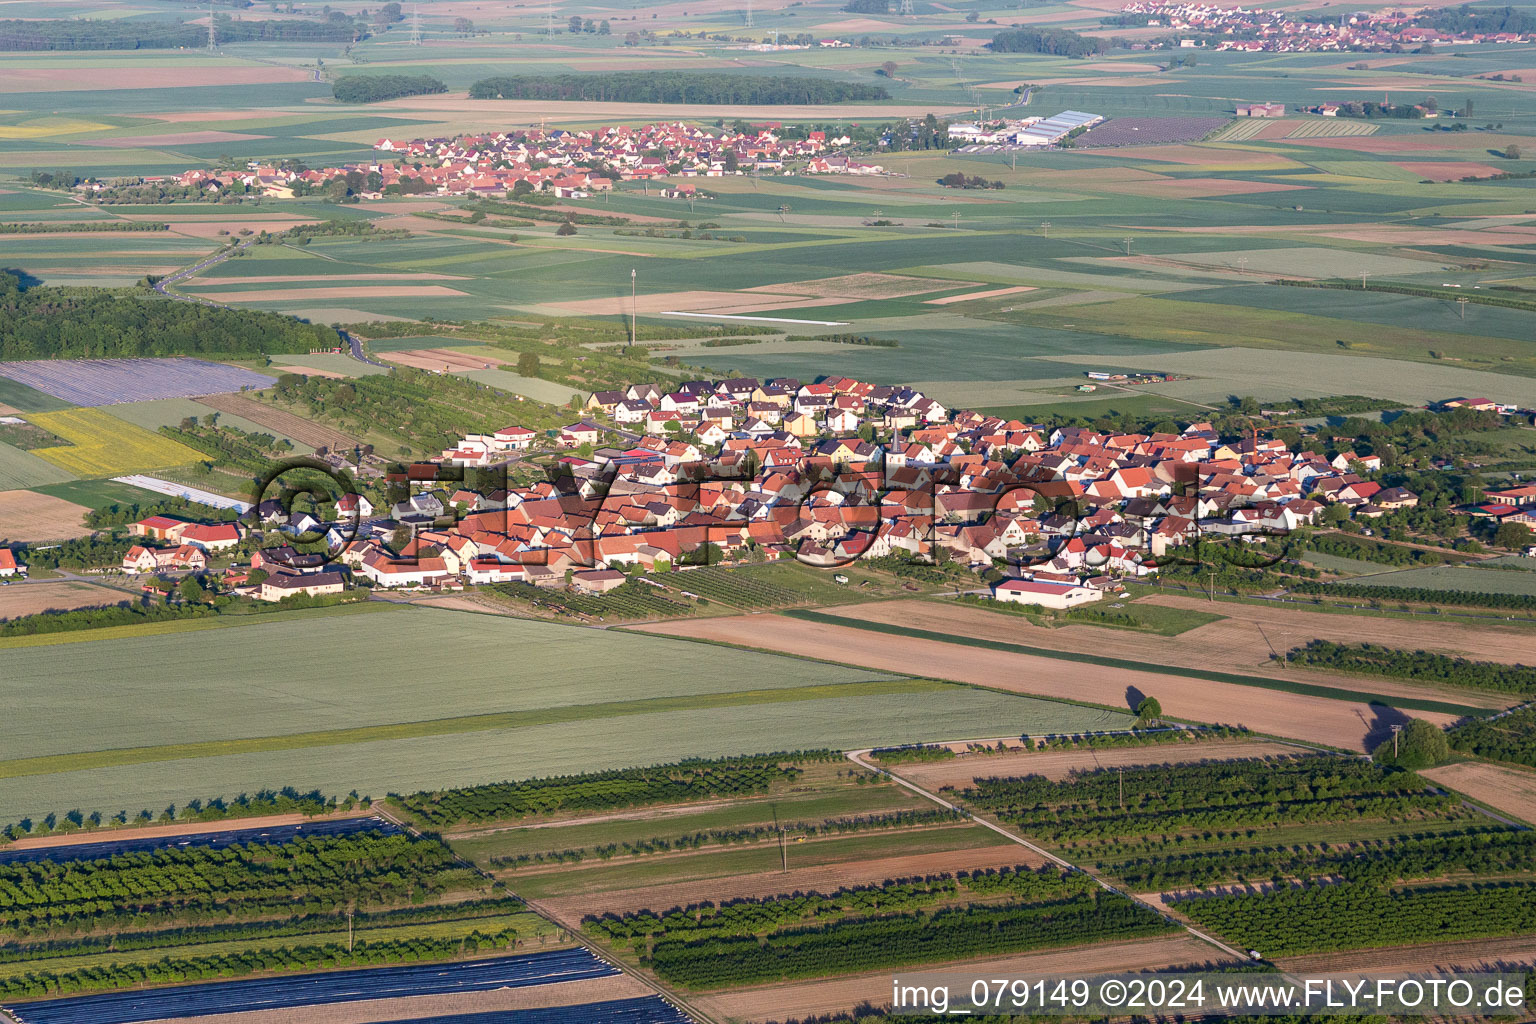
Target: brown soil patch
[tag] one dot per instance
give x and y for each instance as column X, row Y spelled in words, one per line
column 569, row 910
column 1448, row 170
column 310, row 371
column 175, row 139
column 1288, row 627
column 286, row 423
column 29, row 516
column 1346, row 724
column 1059, row 764
column 364, row 1011
column 1472, row 954
column 18, row 600
column 1236, row 643
column 861, row 286
column 78, row 77
column 804, row 999
column 969, row 296
column 441, row 359
column 1507, row 789
column 1418, row 143
column 425, row 291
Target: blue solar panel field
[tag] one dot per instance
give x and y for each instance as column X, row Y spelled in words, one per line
column 643, row 1010
column 110, row 381
column 209, row 840
column 331, row 987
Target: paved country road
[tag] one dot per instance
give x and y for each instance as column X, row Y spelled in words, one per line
column 354, row 345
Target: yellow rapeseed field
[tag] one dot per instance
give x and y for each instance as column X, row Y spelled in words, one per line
column 103, row 445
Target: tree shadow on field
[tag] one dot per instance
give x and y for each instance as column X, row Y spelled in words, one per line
column 1134, row 697
column 24, row 280
column 1379, row 728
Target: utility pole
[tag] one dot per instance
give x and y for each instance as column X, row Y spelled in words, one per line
column 634, row 310
column 956, row 215
column 1045, row 228
column 784, row 851
column 1395, row 730
column 1242, row 264
column 349, row 929
column 1363, row 276
column 1127, row 242
column 1462, row 306
column 1122, row 789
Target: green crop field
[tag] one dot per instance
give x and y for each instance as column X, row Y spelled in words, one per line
column 21, row 469
column 1453, row 577
column 391, row 700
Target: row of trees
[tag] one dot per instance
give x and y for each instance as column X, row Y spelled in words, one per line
column 1368, row 550
column 731, row 836
column 1058, row 42
column 871, row 944
column 625, row 787
column 153, row 34
column 1485, row 851
column 1324, row 918
column 287, row 800
column 374, row 88
column 242, row 879
column 238, row 964
column 80, row 323
column 677, row 87
column 1153, row 798
column 1511, row 738
column 1421, row 595
column 1425, row 666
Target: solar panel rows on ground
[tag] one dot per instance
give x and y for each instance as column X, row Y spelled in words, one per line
column 110, row 381
column 315, row 989
column 640, row 1010
column 207, row 840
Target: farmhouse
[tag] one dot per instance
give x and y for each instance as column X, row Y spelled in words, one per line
column 8, row 564
column 281, row 585
column 1047, row 595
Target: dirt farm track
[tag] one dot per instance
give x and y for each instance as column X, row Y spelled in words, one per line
column 1350, row 725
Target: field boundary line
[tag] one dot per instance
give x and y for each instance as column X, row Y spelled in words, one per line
column 1258, row 682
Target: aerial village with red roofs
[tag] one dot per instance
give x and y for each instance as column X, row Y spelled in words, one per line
column 827, row 472
column 571, row 163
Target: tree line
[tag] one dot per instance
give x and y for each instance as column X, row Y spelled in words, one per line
column 1424, row 666
column 83, row 323
column 160, row 34
column 287, row 800
column 695, row 779
column 1511, row 738
column 1325, row 918
column 1058, row 42
column 677, row 87
column 1421, row 595
column 374, row 88
column 870, row 944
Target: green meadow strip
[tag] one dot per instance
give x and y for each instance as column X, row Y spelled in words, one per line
column 80, row 636
column 54, row 763
column 1262, row 682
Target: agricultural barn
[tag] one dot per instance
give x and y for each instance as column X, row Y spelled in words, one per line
column 8, row 565
column 1047, row 595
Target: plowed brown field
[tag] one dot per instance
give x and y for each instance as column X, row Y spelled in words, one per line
column 29, row 516
column 1242, row 642
column 570, row 910
column 1058, row 764
column 286, row 423
column 1508, row 789
column 1351, row 725
column 803, row 999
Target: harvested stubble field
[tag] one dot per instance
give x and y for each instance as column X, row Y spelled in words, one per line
column 442, row 359
column 100, row 445
column 29, row 516
column 64, row 595
column 809, row 998
column 1350, row 725
column 1241, row 643
column 1512, row 790
column 1059, row 764
column 283, row 423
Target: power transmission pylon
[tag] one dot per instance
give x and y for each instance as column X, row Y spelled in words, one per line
column 750, row 23
column 906, row 8
column 211, row 44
